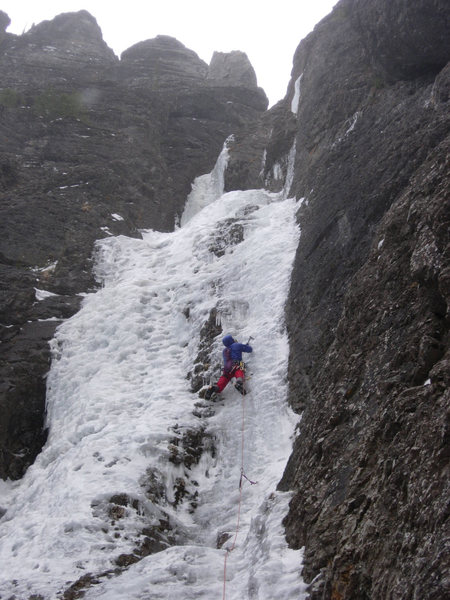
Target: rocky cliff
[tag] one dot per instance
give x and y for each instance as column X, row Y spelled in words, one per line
column 91, row 146
column 368, row 309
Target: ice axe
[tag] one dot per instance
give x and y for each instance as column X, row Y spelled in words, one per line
column 250, row 338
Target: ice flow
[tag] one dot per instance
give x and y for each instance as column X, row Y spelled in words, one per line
column 118, row 396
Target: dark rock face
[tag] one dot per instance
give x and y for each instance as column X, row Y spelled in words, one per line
column 405, row 39
column 89, row 146
column 368, row 308
column 369, row 467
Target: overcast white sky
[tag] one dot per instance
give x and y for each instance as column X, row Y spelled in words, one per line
column 267, row 31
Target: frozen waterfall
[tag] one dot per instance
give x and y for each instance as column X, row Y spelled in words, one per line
column 110, row 478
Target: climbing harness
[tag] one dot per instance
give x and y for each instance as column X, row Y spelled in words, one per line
column 237, row 364
column 243, row 476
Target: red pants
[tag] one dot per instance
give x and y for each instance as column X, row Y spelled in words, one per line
column 226, row 377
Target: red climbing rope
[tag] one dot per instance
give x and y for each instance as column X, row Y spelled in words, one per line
column 243, row 476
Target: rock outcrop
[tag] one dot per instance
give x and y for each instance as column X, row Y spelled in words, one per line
column 231, row 68
column 90, row 146
column 368, row 309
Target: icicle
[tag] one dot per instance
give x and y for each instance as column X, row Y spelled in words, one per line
column 290, row 170
column 296, row 99
column 263, row 163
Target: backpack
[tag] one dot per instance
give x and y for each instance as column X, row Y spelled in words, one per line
column 227, row 362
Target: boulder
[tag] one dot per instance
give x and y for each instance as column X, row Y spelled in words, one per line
column 231, row 69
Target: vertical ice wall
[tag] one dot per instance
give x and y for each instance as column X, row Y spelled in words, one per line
column 207, row 188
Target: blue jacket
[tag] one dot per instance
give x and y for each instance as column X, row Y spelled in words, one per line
column 233, row 352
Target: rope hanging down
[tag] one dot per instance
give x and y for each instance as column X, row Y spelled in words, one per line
column 243, row 476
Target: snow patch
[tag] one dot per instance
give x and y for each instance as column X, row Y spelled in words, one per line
column 43, row 294
column 353, row 122
column 350, row 124
column 49, row 319
column 47, row 269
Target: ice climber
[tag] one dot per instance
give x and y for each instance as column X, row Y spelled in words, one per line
column 232, row 367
